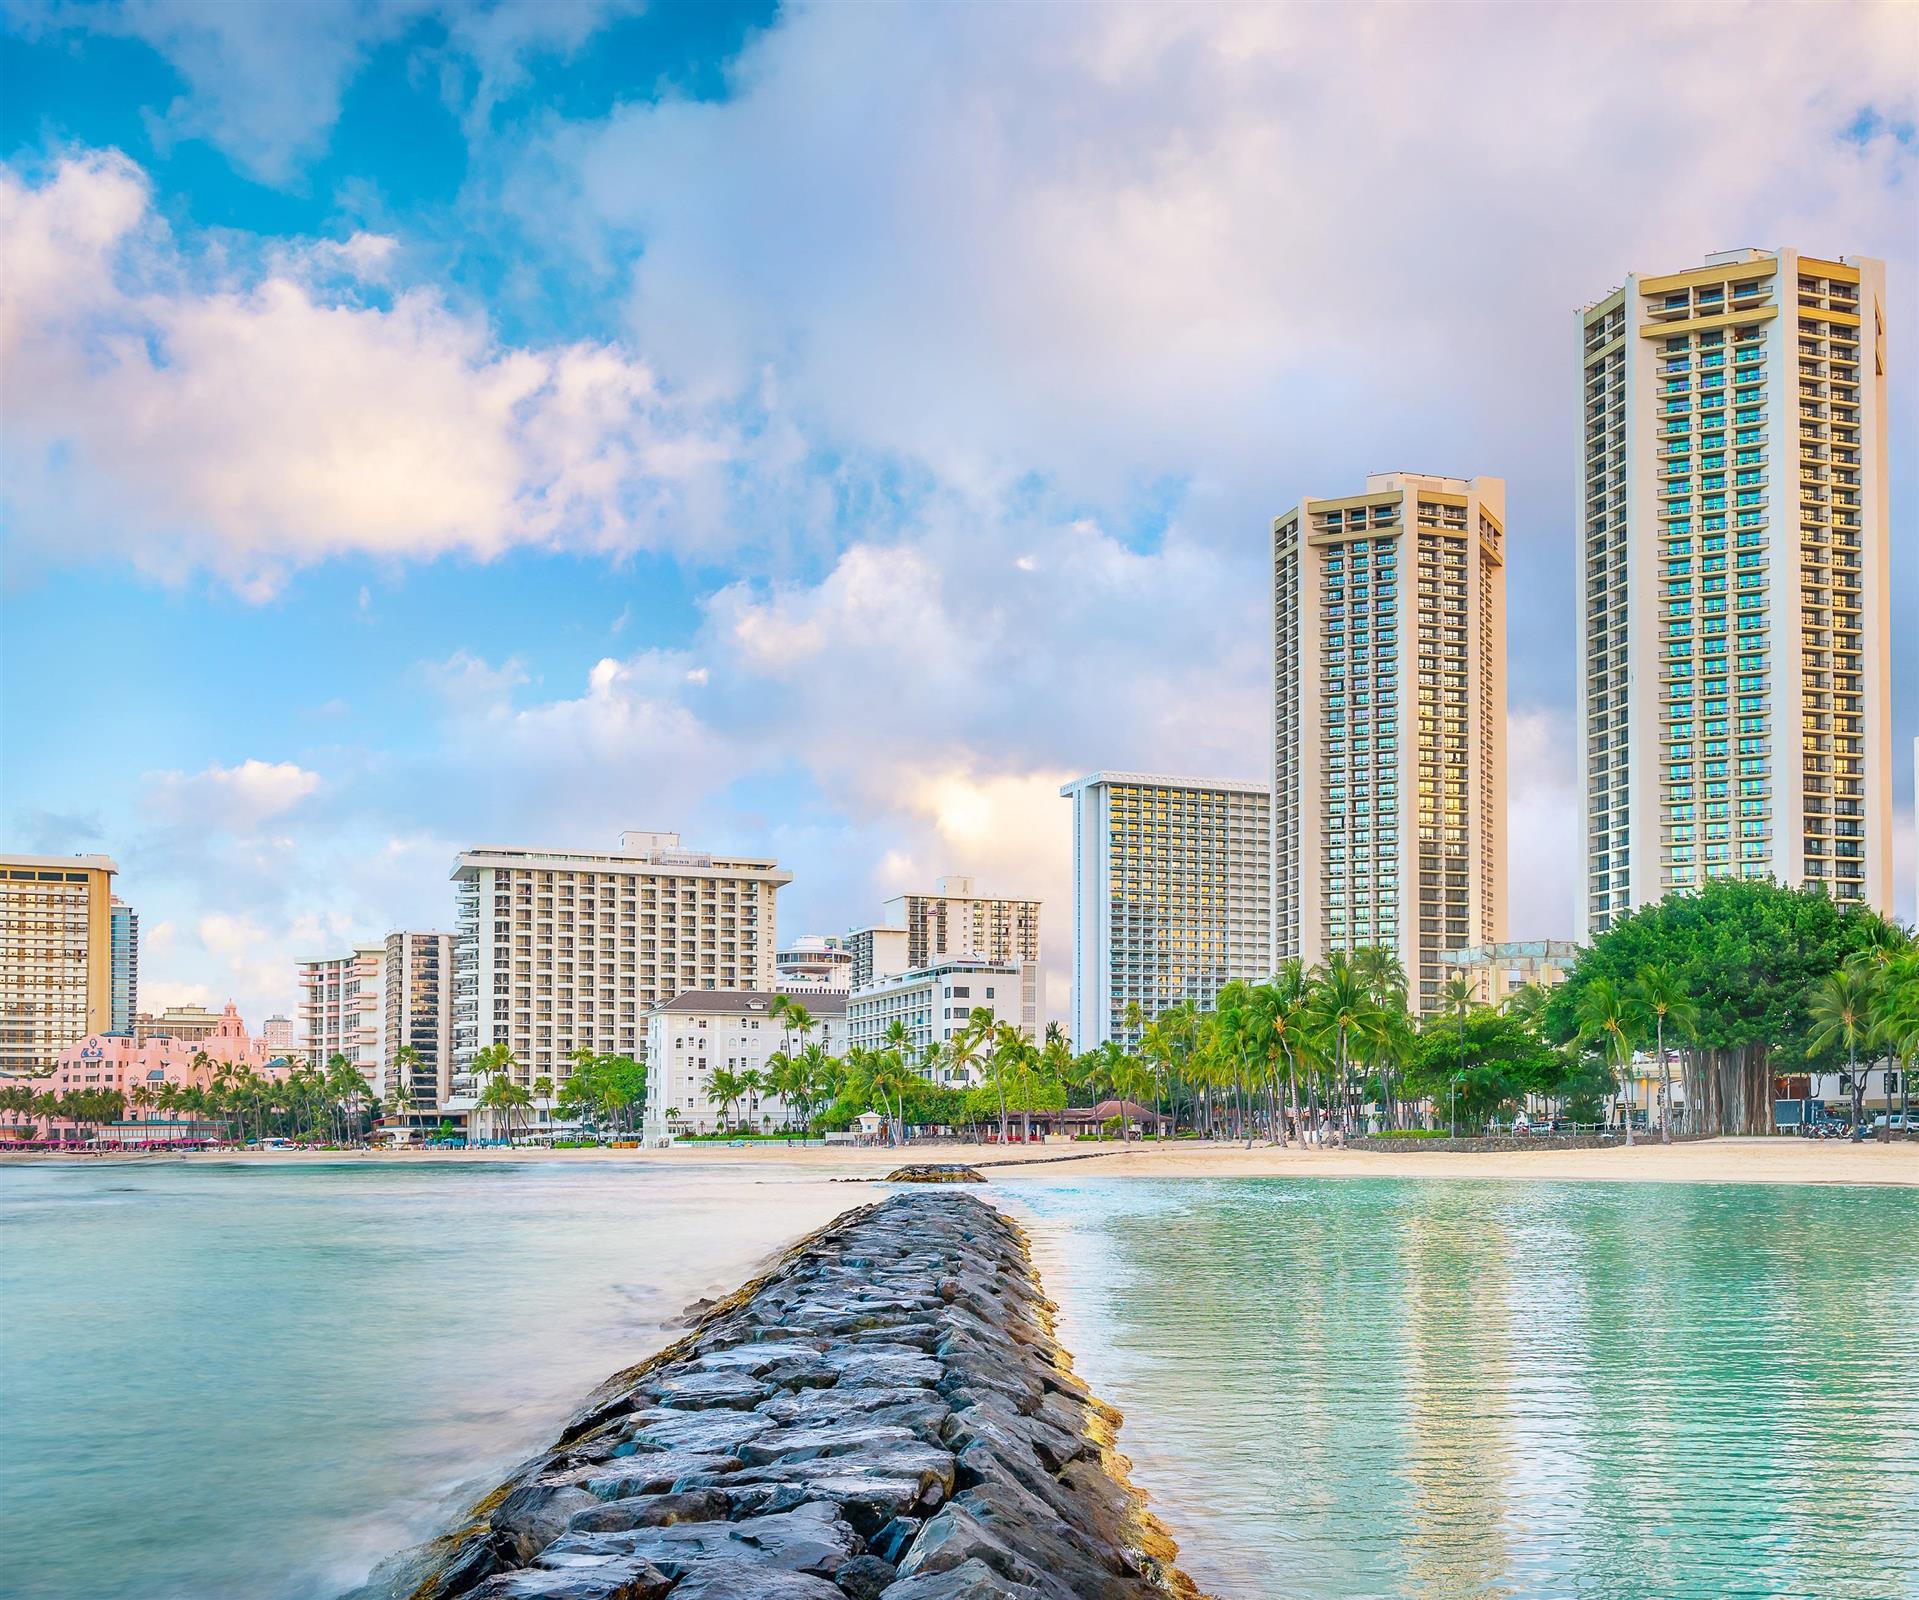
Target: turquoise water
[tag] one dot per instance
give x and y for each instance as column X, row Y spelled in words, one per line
column 227, row 1382
column 250, row 1383
column 1439, row 1389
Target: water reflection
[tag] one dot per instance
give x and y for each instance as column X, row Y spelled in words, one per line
column 1397, row 1388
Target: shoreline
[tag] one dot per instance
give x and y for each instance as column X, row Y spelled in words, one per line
column 1781, row 1160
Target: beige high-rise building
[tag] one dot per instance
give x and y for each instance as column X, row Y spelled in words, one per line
column 956, row 920
column 1389, row 723
column 564, row 950
column 1733, row 608
column 1172, row 896
column 56, row 956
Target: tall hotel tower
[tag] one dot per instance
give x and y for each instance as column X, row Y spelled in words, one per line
column 1733, row 678
column 1172, row 896
column 1389, row 723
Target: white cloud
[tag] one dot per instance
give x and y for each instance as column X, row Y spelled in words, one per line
column 1232, row 242
column 176, row 413
column 238, row 798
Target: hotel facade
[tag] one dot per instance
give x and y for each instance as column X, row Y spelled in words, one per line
column 934, row 1004
column 566, row 950
column 343, row 1012
column 705, row 1031
column 416, row 992
column 1172, row 895
column 955, row 920
column 1389, row 723
column 1734, row 675
column 56, row 956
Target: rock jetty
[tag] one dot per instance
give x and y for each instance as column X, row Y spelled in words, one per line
column 936, row 1172
column 885, row 1415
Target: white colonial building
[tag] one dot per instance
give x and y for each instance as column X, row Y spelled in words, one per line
column 933, row 1003
column 705, row 1031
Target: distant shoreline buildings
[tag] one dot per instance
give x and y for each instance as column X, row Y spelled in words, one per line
column 1733, row 706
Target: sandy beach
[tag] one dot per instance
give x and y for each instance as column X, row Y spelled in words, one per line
column 1776, row 1160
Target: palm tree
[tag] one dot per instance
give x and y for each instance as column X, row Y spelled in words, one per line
column 1897, row 1026
column 1457, row 997
column 969, row 1045
column 1341, row 1008
column 1605, row 1017
column 1842, row 1014
column 1661, row 998
column 890, row 1073
column 724, row 1090
column 495, row 1061
column 405, row 1062
column 542, row 1096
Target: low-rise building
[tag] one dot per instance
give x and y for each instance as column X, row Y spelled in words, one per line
column 705, row 1031
column 186, row 1024
column 934, row 1004
column 1499, row 969
column 140, row 1069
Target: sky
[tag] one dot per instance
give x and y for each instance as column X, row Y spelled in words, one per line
column 821, row 431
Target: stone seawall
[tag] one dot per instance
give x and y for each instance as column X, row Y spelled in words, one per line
column 886, row 1415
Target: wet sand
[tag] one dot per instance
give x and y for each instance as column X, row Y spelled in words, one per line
column 1774, row 1160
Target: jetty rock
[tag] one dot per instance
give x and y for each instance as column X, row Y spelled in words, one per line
column 936, row 1172
column 885, row 1415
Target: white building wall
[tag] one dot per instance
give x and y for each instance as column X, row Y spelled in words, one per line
column 343, row 1012
column 935, row 1003
column 1172, row 894
column 685, row 1047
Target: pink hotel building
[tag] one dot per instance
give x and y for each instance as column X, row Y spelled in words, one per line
column 115, row 1061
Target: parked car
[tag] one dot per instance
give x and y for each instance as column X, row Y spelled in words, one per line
column 1900, row 1121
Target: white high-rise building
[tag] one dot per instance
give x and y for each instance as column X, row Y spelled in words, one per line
column 1389, row 723
column 418, row 986
column 878, row 952
column 1734, row 678
column 957, row 920
column 343, row 1012
column 564, row 950
column 1172, row 895
column 705, row 1031
column 934, row 1004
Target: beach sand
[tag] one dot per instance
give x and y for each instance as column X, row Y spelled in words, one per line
column 1775, row 1160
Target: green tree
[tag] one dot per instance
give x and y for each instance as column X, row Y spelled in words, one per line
column 1605, row 1019
column 1662, row 1001
column 1844, row 1012
column 1749, row 953
column 1341, row 1009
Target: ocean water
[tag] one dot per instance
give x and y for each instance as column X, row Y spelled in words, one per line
column 227, row 1381
column 244, row 1382
column 1407, row 1388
